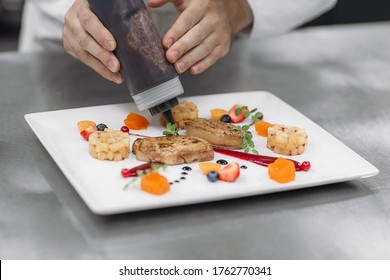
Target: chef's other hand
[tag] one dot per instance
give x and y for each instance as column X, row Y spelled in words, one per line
column 203, row 32
column 86, row 38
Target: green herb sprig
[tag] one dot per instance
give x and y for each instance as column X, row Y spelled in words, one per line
column 247, row 142
column 253, row 114
column 171, row 130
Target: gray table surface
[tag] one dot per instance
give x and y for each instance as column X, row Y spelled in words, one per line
column 338, row 76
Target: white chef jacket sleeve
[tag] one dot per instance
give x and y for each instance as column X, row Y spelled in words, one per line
column 42, row 23
column 275, row 17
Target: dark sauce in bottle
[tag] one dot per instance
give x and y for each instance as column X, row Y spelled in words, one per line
column 151, row 79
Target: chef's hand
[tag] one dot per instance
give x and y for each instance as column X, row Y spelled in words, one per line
column 203, row 32
column 85, row 38
column 201, row 35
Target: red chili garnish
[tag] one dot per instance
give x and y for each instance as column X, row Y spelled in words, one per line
column 261, row 159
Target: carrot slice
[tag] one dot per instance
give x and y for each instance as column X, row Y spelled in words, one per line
column 83, row 125
column 282, row 170
column 136, row 122
column 216, row 114
column 262, row 128
column 155, row 183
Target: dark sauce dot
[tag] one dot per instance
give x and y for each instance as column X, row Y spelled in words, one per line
column 171, row 183
column 182, row 178
column 244, row 167
column 177, row 181
column 222, row 162
column 187, row 168
column 184, row 173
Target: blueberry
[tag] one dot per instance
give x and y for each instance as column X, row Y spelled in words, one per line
column 101, row 127
column 212, row 176
column 226, row 119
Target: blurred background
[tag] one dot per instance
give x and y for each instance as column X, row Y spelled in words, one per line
column 346, row 11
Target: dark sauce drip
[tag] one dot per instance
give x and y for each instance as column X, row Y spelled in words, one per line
column 177, row 181
column 182, row 178
column 222, row 162
column 187, row 168
column 184, row 173
column 244, row 167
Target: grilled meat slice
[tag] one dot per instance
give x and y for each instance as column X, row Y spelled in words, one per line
column 215, row 132
column 172, row 150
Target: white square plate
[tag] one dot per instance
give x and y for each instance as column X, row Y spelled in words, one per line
column 101, row 185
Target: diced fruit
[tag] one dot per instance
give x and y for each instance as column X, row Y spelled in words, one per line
column 226, row 119
column 305, row 166
column 207, row 167
column 262, row 128
column 230, row 172
column 286, row 140
column 125, row 129
column 112, row 145
column 216, row 114
column 155, row 183
column 136, row 121
column 212, row 176
column 83, row 125
column 237, row 113
column 88, row 131
column 101, row 127
column 181, row 113
column 282, row 170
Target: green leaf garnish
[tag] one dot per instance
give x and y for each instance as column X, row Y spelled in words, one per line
column 253, row 114
column 247, row 139
column 171, row 130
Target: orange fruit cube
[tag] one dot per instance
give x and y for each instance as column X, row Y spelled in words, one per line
column 83, row 125
column 136, row 122
column 216, row 114
column 155, row 183
column 282, row 170
column 262, row 128
column 207, row 167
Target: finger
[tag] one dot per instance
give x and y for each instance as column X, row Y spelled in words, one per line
column 196, row 54
column 187, row 20
column 96, row 65
column 73, row 48
column 188, row 41
column 76, row 34
column 91, row 24
column 101, row 69
column 88, row 44
column 208, row 61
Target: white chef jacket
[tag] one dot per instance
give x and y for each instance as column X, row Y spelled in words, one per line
column 43, row 20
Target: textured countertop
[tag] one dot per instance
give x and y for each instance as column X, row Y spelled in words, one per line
column 338, row 76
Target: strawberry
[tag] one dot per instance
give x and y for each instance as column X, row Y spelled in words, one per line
column 88, row 131
column 237, row 113
column 230, row 172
